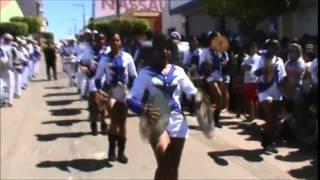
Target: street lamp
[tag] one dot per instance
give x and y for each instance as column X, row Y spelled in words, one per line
column 83, row 13
column 74, row 25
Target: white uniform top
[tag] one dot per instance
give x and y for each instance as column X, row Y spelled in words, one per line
column 68, row 50
column 279, row 73
column 314, row 71
column 86, row 53
column 206, row 56
column 187, row 58
column 172, row 85
column 7, row 50
column 249, row 76
column 123, row 62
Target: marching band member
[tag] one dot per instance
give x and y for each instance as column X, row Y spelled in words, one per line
column 271, row 77
column 172, row 81
column 6, row 64
column 69, row 60
column 96, row 112
column 21, row 59
column 191, row 64
column 85, row 57
column 211, row 62
column 117, row 66
column 26, row 69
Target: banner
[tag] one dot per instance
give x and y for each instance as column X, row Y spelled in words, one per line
column 105, row 8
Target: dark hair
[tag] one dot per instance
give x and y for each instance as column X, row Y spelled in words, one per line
column 161, row 39
column 110, row 35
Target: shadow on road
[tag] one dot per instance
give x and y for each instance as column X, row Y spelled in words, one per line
column 247, row 128
column 54, row 87
column 85, row 165
column 66, row 112
column 65, row 122
column 39, row 80
column 249, row 155
column 60, row 102
column 60, row 94
column 303, row 154
column 52, row 137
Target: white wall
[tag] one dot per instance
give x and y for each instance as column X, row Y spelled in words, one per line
column 305, row 21
column 169, row 21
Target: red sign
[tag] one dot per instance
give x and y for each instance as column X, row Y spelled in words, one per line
column 109, row 7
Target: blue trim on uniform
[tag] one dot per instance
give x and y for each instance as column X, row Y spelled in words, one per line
column 135, row 105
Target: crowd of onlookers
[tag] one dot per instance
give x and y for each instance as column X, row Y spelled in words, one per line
column 19, row 64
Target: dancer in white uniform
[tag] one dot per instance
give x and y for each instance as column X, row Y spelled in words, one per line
column 117, row 67
column 171, row 80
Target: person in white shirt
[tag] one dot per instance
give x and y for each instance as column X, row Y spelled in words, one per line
column 171, row 80
column 182, row 47
column 271, row 77
column 6, row 67
column 250, row 80
column 116, row 67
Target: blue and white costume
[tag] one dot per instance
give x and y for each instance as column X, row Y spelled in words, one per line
column 69, row 62
column 216, row 59
column 172, row 84
column 191, row 58
column 270, row 90
column 115, row 70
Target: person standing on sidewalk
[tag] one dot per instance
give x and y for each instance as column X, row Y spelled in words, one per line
column 51, row 58
column 250, row 80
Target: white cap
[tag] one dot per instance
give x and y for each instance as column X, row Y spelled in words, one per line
column 87, row 31
column 8, row 36
column 309, row 48
column 95, row 32
column 175, row 35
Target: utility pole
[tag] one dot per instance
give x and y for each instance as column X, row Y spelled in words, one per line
column 118, row 8
column 83, row 13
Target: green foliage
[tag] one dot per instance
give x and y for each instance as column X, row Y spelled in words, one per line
column 125, row 27
column 48, row 36
column 33, row 22
column 14, row 28
column 140, row 27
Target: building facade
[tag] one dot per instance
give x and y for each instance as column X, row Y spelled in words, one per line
column 304, row 20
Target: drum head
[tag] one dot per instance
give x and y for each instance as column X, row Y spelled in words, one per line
column 150, row 132
column 204, row 114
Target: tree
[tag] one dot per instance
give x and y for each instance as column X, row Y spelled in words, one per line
column 33, row 22
column 49, row 36
column 250, row 12
column 14, row 28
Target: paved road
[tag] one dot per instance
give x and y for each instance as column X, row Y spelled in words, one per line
column 46, row 135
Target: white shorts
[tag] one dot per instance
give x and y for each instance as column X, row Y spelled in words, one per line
column 271, row 94
column 92, row 85
column 178, row 126
column 215, row 76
